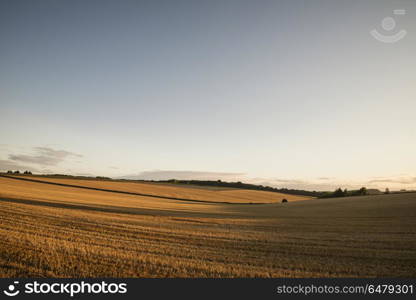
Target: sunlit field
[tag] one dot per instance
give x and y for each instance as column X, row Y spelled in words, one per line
column 59, row 231
column 186, row 192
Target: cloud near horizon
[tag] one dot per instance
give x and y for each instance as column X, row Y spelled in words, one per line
column 288, row 181
column 44, row 156
column 398, row 180
column 184, row 175
column 6, row 165
column 294, row 183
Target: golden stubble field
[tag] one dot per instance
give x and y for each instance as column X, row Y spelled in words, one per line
column 57, row 231
column 191, row 192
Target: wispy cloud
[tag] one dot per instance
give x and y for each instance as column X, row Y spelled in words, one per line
column 398, row 180
column 287, row 181
column 197, row 175
column 84, row 174
column 44, row 156
column 291, row 183
column 6, row 165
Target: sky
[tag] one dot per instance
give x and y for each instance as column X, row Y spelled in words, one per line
column 295, row 93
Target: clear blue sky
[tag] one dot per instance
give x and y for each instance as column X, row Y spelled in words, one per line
column 289, row 93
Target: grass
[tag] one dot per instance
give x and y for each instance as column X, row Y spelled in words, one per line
column 58, row 231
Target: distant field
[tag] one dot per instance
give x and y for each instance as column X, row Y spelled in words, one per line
column 191, row 192
column 56, row 231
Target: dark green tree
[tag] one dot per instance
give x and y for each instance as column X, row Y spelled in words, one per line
column 362, row 191
column 338, row 193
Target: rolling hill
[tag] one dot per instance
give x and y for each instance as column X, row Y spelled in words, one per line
column 49, row 230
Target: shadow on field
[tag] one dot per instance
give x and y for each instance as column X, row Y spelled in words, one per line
column 118, row 209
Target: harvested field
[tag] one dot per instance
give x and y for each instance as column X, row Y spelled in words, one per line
column 58, row 231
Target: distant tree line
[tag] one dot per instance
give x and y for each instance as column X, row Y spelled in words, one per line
column 18, row 172
column 241, row 185
column 319, row 194
column 345, row 193
column 72, row 176
column 102, row 178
